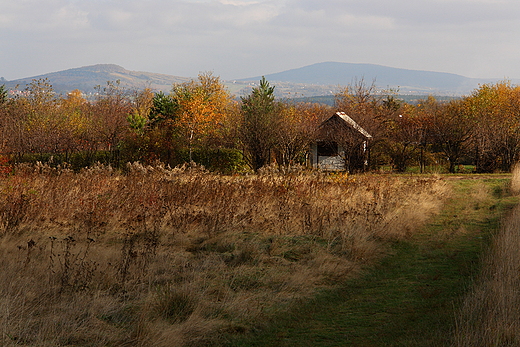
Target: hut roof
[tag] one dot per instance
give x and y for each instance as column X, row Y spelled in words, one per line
column 349, row 121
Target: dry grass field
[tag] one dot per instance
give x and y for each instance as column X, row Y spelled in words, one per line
column 490, row 315
column 180, row 257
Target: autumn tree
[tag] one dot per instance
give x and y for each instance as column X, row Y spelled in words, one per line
column 13, row 129
column 260, row 121
column 5, row 133
column 76, row 124
column 361, row 102
column 37, row 121
column 42, row 122
column 3, row 95
column 296, row 130
column 159, row 139
column 38, row 106
column 403, row 134
column 190, row 118
column 141, row 108
column 451, row 129
column 109, row 114
column 510, row 149
column 199, row 107
column 496, row 110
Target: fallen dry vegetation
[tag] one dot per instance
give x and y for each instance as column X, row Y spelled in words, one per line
column 162, row 257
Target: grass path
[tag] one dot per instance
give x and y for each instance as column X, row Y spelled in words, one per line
column 411, row 297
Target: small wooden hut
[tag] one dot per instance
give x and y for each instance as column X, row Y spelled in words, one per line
column 341, row 145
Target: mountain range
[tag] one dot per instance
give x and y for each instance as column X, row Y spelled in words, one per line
column 312, row 80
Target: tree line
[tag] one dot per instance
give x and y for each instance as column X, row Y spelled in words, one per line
column 200, row 121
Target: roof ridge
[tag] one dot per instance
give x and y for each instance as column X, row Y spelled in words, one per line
column 353, row 123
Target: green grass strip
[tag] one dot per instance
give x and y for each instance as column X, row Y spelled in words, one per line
column 411, row 297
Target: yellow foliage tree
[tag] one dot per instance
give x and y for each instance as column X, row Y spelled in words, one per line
column 201, row 107
column 496, row 109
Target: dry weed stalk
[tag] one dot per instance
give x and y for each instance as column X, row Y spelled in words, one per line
column 184, row 253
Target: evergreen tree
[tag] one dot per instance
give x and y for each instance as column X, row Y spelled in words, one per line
column 260, row 115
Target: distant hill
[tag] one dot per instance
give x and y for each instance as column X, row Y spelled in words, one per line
column 313, row 80
column 88, row 77
column 333, row 74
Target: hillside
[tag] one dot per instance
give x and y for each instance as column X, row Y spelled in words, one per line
column 332, row 74
column 88, row 77
column 312, row 80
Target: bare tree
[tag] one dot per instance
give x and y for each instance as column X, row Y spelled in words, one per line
column 297, row 130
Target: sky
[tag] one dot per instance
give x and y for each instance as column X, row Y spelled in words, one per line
column 246, row 38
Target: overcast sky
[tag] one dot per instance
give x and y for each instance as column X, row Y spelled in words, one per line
column 245, row 38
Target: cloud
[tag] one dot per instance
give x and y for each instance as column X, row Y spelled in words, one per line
column 426, row 12
column 239, row 38
column 30, row 16
column 194, row 17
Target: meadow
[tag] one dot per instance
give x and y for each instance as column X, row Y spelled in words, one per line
column 422, row 291
column 154, row 256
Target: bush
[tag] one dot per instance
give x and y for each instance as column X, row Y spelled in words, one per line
column 222, row 160
column 76, row 160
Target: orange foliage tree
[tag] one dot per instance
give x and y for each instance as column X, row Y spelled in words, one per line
column 201, row 106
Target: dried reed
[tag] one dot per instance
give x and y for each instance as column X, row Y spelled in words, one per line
column 155, row 254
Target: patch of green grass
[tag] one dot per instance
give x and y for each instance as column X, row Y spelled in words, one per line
column 410, row 298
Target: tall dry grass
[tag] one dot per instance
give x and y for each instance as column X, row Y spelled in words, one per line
column 162, row 257
column 490, row 315
column 515, row 179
